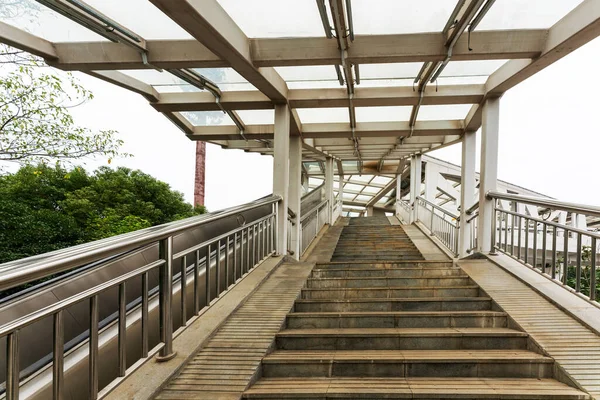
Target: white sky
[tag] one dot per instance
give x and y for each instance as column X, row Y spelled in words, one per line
column 549, row 130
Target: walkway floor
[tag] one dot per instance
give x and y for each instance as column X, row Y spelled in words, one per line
column 575, row 348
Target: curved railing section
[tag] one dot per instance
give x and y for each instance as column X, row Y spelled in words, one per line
column 441, row 223
column 566, row 254
column 207, row 267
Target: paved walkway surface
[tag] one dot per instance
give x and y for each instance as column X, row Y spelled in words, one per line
column 575, row 348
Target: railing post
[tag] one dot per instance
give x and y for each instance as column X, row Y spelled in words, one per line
column 493, row 233
column 165, row 252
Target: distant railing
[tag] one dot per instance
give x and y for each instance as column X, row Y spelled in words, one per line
column 472, row 222
column 440, row 222
column 404, row 210
column 564, row 254
column 311, row 223
column 236, row 251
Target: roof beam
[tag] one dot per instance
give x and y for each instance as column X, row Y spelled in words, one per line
column 25, row 41
column 381, row 194
column 413, row 47
column 333, row 130
column 322, row 98
column 127, row 82
column 577, row 28
column 213, row 27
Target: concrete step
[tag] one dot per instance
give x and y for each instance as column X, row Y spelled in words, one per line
column 440, row 319
column 412, row 388
column 390, row 292
column 401, row 339
column 387, row 273
column 393, row 265
column 407, row 363
column 368, row 257
column 372, row 282
column 395, row 304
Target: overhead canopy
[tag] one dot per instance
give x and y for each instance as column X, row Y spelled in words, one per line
column 368, row 82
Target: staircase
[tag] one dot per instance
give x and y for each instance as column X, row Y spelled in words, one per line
column 379, row 322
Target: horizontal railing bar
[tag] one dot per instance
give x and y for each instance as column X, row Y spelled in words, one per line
column 472, row 209
column 541, row 202
column 221, row 237
column 541, row 221
column 438, row 207
column 312, row 210
column 86, row 294
column 22, row 271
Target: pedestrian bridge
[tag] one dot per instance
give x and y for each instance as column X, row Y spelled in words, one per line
column 373, row 270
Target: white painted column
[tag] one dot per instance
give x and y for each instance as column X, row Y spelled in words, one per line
column 490, row 129
column 295, row 193
column 431, row 181
column 329, row 187
column 416, row 189
column 341, row 193
column 412, row 191
column 370, row 211
column 467, row 191
column 281, row 167
column 398, row 195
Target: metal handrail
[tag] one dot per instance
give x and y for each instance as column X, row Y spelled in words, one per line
column 541, row 202
column 450, row 214
column 320, row 187
column 22, row 271
column 472, row 209
column 313, row 210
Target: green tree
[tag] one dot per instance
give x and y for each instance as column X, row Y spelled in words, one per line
column 45, row 208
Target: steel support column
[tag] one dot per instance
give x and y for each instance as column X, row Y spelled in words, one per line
column 431, row 181
column 281, row 173
column 467, row 191
column 295, row 193
column 415, row 184
column 489, row 172
column 398, row 194
column 329, row 187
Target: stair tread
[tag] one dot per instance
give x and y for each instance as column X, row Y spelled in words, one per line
column 368, row 300
column 324, row 314
column 476, row 388
column 362, row 278
column 409, row 332
column 392, row 287
column 450, row 356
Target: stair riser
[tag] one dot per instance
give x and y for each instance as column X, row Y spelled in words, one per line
column 407, row 265
column 387, row 273
column 402, row 343
column 394, row 306
column 327, row 369
column 339, row 294
column 367, row 257
column 388, row 282
column 397, row 322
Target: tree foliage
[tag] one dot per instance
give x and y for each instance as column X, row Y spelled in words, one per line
column 45, row 208
column 35, row 120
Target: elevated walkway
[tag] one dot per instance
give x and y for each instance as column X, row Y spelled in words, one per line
column 388, row 328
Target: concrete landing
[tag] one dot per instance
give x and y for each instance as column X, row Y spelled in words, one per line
column 229, row 361
column 428, row 249
column 575, row 348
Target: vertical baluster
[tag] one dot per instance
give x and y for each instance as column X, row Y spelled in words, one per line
column 526, row 240
column 207, row 275
column 535, row 225
column 253, row 246
column 512, row 235
column 165, row 278
column 264, row 240
column 218, row 270
column 122, row 338
column 544, row 248
column 12, row 366
column 258, row 243
column 145, row 327
column 58, row 349
column 248, row 250
column 520, row 225
column 566, row 257
column 241, row 253
column 505, row 230
column 578, row 271
column 554, row 234
column 183, row 291
column 227, row 260
column 593, row 271
column 93, row 348
column 235, row 256
column 197, row 283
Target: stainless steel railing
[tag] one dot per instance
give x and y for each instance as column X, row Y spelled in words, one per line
column 440, row 222
column 312, row 222
column 237, row 250
column 565, row 254
column 405, row 211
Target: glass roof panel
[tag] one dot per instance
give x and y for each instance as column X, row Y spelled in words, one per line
column 349, row 166
column 207, row 118
column 275, row 18
column 141, row 17
column 530, row 14
column 441, row 112
column 322, row 115
column 382, row 180
column 471, row 68
column 389, row 71
column 257, row 117
column 386, row 82
column 378, row 114
column 308, row 73
column 353, row 187
column 312, row 166
column 362, row 178
column 362, row 197
column 370, row 190
column 41, row 21
column 225, row 78
column 348, row 196
column 393, row 16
